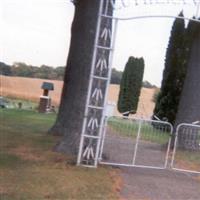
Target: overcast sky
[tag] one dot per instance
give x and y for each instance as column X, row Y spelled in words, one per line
column 38, row 32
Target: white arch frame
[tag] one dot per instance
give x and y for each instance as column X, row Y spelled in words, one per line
column 88, row 153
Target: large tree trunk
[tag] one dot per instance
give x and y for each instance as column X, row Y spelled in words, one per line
column 71, row 112
column 189, row 106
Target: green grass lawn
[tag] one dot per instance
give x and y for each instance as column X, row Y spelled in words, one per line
column 30, row 170
column 129, row 128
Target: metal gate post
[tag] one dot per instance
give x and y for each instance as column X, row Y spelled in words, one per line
column 175, row 145
column 103, row 138
column 90, row 84
column 169, row 145
column 98, row 87
column 137, row 141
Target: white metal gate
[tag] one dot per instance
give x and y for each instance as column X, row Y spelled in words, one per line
column 135, row 142
column 186, row 154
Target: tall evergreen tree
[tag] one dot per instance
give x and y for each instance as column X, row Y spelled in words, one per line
column 130, row 85
column 173, row 74
column 189, row 106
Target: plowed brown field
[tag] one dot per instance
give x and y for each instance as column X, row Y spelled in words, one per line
column 30, row 89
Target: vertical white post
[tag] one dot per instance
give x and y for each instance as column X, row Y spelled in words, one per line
column 197, row 11
column 168, row 147
column 137, row 142
column 107, row 85
column 103, row 138
column 90, row 81
column 175, row 146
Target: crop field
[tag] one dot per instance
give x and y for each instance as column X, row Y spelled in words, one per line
column 30, row 89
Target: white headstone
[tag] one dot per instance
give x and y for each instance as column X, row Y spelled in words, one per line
column 109, row 109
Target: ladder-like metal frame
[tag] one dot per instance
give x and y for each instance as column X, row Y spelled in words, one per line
column 98, row 88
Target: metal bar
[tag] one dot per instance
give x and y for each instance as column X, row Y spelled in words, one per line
column 137, row 141
column 91, row 136
column 101, row 78
column 105, row 48
column 190, row 125
column 184, row 170
column 90, row 82
column 169, row 145
column 95, row 107
column 89, row 166
column 167, row 154
column 130, row 165
column 151, row 16
column 103, row 138
column 197, row 11
column 148, row 167
column 148, row 120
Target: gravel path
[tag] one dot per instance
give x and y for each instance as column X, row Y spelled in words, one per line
column 159, row 185
column 149, row 184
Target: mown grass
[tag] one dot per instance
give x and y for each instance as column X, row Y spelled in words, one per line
column 188, row 160
column 192, row 156
column 30, row 170
column 129, row 128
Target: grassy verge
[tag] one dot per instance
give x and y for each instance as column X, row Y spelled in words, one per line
column 129, row 128
column 188, row 160
column 29, row 170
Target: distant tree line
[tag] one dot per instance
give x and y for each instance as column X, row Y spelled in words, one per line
column 51, row 73
column 117, row 76
column 24, row 70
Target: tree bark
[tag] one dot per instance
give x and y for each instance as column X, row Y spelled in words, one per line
column 71, row 112
column 189, row 106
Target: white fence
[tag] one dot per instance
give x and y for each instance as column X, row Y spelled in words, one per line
column 186, row 154
column 135, row 143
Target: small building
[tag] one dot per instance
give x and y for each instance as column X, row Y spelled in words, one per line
column 45, row 99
